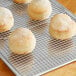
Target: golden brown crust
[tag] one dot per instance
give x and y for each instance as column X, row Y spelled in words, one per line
column 4, row 30
column 21, row 53
column 36, row 16
column 62, row 35
column 22, row 1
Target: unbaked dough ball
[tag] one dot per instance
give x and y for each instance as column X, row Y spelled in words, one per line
column 39, row 9
column 22, row 1
column 22, row 41
column 62, row 27
column 6, row 19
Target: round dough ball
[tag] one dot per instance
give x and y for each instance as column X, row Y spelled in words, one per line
column 22, row 1
column 6, row 19
column 62, row 27
column 39, row 9
column 22, row 41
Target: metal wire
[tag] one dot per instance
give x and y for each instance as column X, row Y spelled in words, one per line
column 48, row 54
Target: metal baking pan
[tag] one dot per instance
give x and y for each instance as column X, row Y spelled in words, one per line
column 49, row 53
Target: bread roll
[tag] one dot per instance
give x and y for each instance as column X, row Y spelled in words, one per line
column 39, row 9
column 62, row 27
column 6, row 19
column 22, row 41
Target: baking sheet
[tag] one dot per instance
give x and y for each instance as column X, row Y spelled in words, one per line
column 48, row 54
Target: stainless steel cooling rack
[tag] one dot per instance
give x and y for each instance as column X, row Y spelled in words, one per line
column 48, row 54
